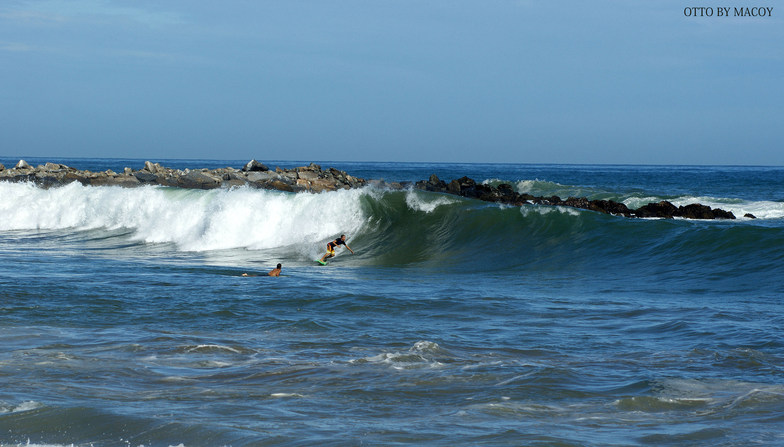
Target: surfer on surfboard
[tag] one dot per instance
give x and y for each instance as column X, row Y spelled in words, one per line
column 331, row 248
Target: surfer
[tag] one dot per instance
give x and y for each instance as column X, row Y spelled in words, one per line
column 273, row 272
column 331, row 248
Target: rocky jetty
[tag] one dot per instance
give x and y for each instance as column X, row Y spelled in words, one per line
column 311, row 178
column 504, row 193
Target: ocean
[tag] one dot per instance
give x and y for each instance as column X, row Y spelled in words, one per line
column 125, row 319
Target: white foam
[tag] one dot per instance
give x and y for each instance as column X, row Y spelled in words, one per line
column 29, row 444
column 208, row 348
column 283, row 395
column 762, row 209
column 545, row 209
column 24, row 406
column 535, row 187
column 194, row 220
column 418, row 202
column 419, row 355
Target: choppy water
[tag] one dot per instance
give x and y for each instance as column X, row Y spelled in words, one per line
column 124, row 319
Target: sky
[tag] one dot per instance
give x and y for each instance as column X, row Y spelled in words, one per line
column 496, row 81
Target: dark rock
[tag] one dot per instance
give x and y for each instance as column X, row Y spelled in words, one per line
column 579, row 202
column 253, row 166
column 695, row 211
column 47, row 181
column 719, row 213
column 609, row 207
column 2, row 167
column 146, row 177
column 663, row 209
column 435, row 184
column 749, row 216
column 507, row 193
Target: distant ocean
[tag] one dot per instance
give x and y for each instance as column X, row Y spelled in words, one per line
column 125, row 321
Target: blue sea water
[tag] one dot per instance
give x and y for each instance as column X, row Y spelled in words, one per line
column 125, row 321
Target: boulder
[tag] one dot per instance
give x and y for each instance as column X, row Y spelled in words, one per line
column 22, row 165
column 253, row 166
column 609, row 207
column 307, row 175
column 279, row 185
column 145, row 176
column 261, row 176
column 319, row 185
column 663, row 209
column 198, row 180
column 695, row 211
column 155, row 168
column 115, row 180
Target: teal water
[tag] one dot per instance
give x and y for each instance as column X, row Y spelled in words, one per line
column 124, row 319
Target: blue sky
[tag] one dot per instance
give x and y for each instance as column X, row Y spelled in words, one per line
column 499, row 81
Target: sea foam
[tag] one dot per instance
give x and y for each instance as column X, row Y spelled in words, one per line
column 194, row 220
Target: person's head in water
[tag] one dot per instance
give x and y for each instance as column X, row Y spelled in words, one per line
column 278, row 266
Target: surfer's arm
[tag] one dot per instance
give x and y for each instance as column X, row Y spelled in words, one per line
column 349, row 249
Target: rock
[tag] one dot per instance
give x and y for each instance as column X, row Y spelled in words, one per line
column 52, row 167
column 198, row 180
column 232, row 183
column 749, row 216
column 663, row 209
column 254, row 165
column 115, row 180
column 145, row 176
column 312, row 178
column 719, row 213
column 280, row 185
column 696, row 211
column 433, row 184
column 319, row 185
column 505, row 193
column 307, row 175
column 609, row 207
column 261, row 176
column 155, row 168
column 22, row 165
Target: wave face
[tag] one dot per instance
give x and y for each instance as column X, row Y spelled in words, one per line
column 403, row 228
